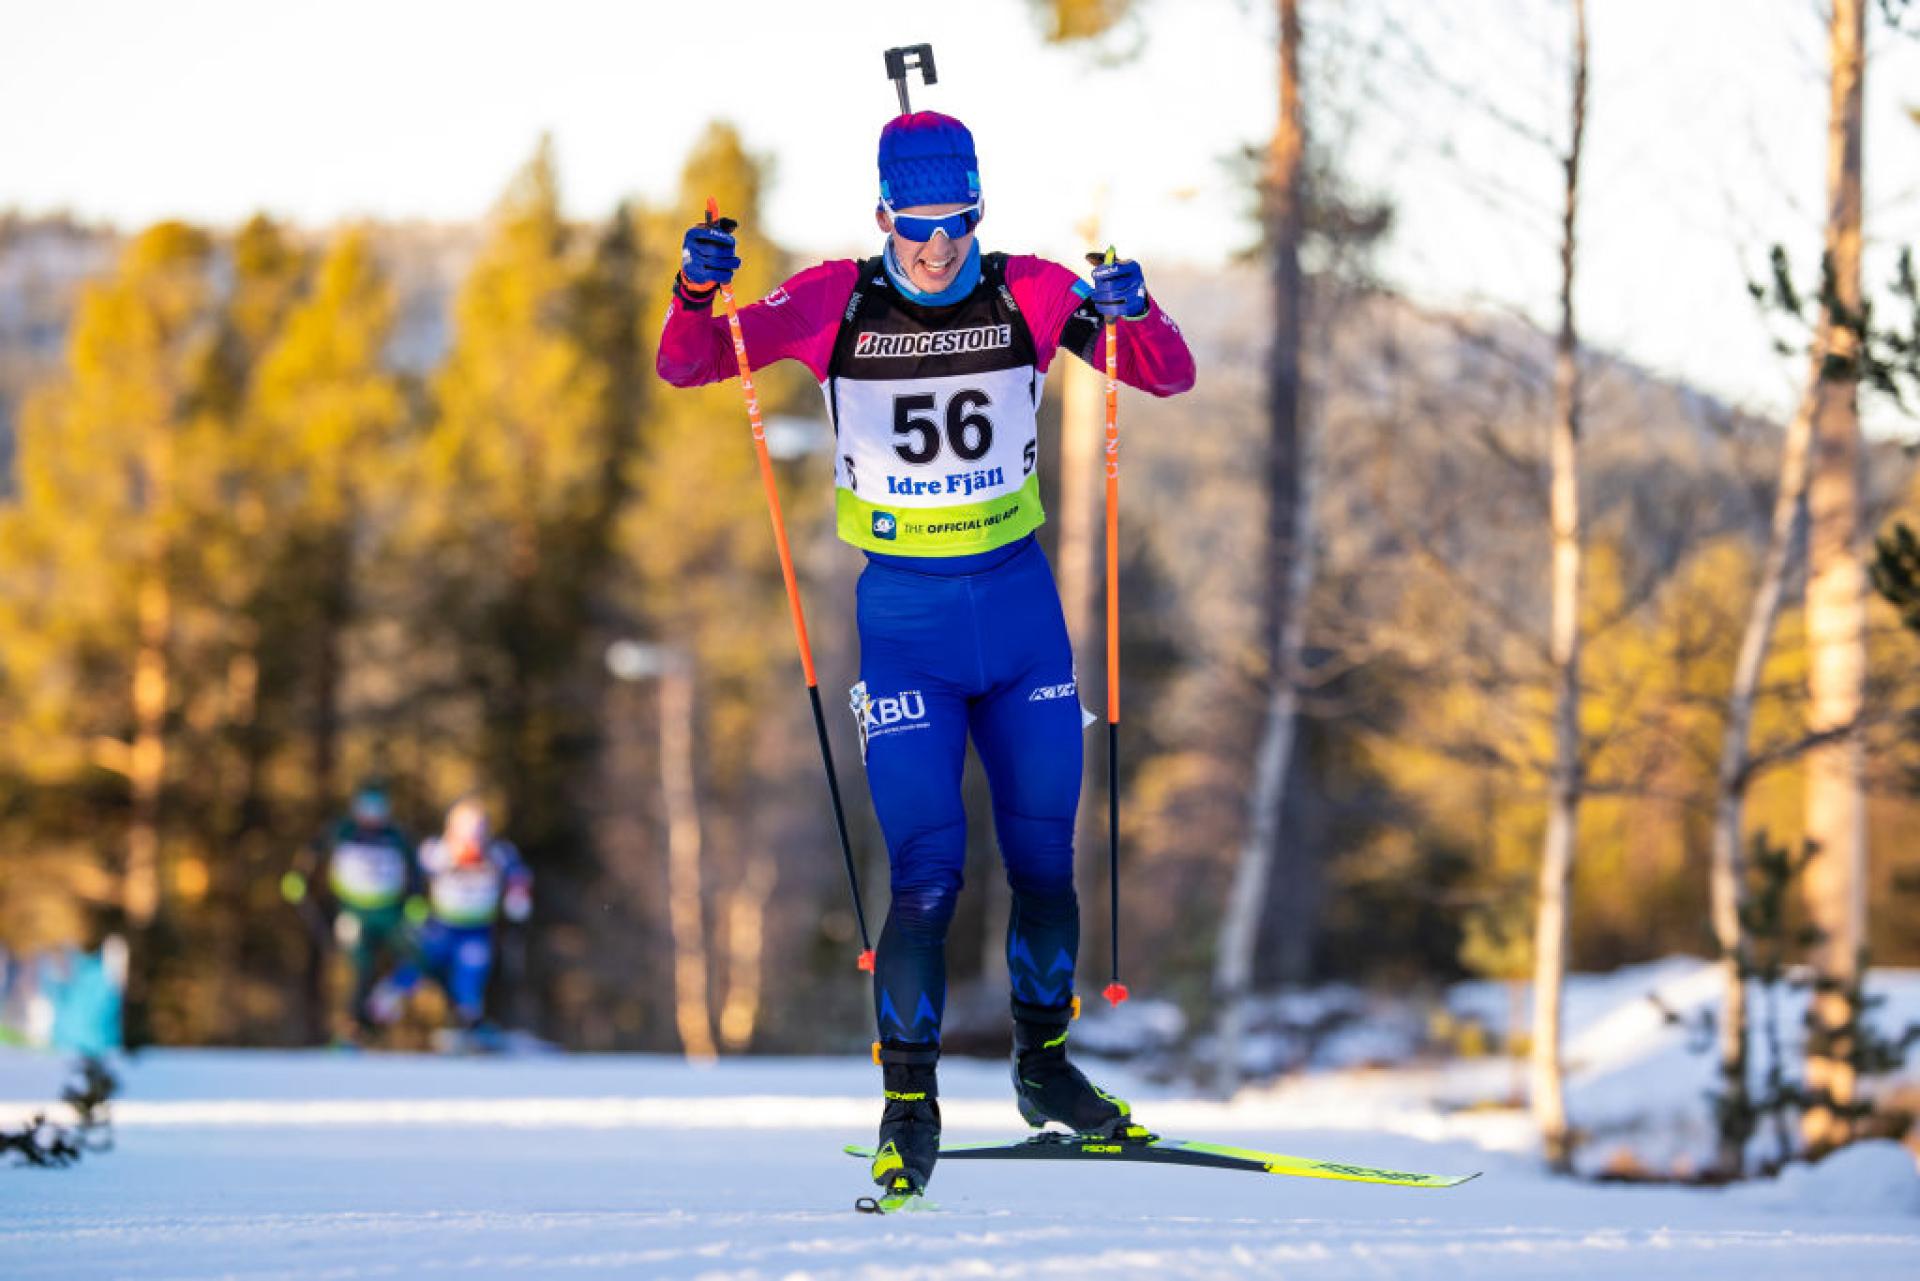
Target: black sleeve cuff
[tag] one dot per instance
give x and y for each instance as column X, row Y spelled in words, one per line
column 692, row 300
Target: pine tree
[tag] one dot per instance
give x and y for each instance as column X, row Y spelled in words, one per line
column 96, row 549
column 228, row 647
column 330, row 417
column 1896, row 573
column 1896, row 562
column 333, row 413
column 519, row 479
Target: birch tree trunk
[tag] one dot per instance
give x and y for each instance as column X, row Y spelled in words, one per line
column 329, row 666
column 231, row 870
column 335, row 608
column 1836, row 617
column 746, row 935
column 1289, row 566
column 1728, row 880
column 147, row 763
column 1568, row 782
column 685, row 912
column 147, row 758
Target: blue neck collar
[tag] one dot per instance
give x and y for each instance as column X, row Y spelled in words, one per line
column 962, row 284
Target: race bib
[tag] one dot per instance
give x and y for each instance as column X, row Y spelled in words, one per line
column 466, row 895
column 366, row 875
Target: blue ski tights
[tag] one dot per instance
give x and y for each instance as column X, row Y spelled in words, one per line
column 942, row 655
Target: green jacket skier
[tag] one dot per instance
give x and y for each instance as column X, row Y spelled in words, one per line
column 371, row 891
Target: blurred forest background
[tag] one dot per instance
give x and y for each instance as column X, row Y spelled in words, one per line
column 284, row 507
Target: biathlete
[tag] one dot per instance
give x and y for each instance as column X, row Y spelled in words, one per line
column 473, row 877
column 932, row 358
column 373, row 884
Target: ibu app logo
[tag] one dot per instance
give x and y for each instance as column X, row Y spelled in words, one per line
column 884, row 525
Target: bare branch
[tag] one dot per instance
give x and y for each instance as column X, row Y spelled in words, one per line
column 1784, row 753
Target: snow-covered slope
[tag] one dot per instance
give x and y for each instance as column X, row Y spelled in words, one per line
column 289, row 1165
column 1638, row 1080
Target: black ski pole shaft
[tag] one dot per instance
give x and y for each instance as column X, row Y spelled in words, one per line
column 840, row 825
column 1116, row 991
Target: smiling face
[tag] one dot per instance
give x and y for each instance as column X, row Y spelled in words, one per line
column 931, row 265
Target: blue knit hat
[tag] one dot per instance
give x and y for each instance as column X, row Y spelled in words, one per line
column 927, row 159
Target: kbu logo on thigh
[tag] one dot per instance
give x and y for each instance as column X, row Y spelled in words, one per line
column 887, row 714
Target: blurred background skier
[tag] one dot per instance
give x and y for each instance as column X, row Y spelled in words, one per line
column 372, row 884
column 474, row 879
column 932, row 356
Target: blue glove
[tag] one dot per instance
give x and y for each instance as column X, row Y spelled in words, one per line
column 707, row 256
column 1119, row 288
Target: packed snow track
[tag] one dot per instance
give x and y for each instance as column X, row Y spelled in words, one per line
column 272, row 1165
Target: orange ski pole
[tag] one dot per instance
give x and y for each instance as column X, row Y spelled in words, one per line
column 1115, row 991
column 793, row 599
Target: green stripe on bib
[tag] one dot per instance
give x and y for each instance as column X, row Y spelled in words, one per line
column 939, row 531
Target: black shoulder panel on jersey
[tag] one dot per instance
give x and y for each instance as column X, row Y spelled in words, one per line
column 886, row 336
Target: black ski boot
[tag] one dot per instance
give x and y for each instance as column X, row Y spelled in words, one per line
column 1048, row 1088
column 910, row 1126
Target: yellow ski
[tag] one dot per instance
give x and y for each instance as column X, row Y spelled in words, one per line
column 1056, row 1146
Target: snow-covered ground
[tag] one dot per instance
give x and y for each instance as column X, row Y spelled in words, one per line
column 297, row 1165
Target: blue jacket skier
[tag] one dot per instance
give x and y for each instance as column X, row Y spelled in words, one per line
column 473, row 879
column 932, row 357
